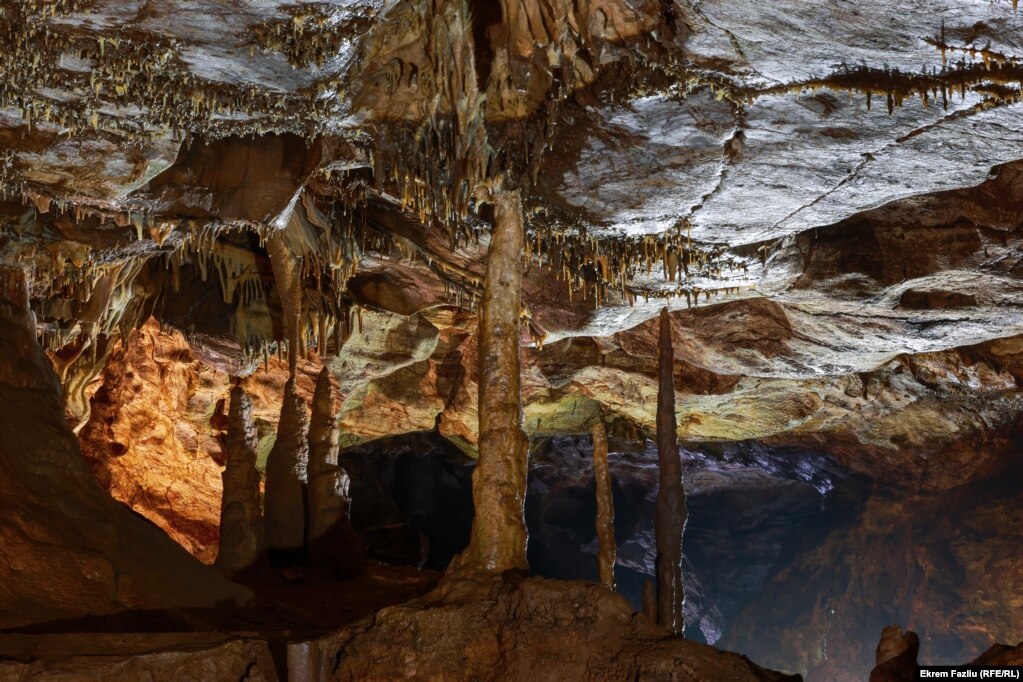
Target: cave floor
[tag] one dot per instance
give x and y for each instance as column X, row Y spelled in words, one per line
column 286, row 607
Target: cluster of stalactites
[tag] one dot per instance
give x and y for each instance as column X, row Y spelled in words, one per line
column 105, row 73
column 434, row 164
column 312, row 36
column 996, row 77
column 595, row 268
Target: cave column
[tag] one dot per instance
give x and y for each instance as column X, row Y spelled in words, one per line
column 332, row 546
column 241, row 525
column 498, row 541
column 670, row 511
column 605, row 508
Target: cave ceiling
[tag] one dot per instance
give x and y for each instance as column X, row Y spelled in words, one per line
column 827, row 195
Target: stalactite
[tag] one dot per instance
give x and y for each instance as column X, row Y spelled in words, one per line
column 286, row 466
column 605, row 508
column 241, row 524
column 333, row 547
column 289, row 287
column 498, row 540
column 670, row 511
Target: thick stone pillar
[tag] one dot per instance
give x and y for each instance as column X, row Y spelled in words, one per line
column 241, row 524
column 498, row 541
column 284, row 502
column 333, row 548
column 670, row 511
column 605, row 508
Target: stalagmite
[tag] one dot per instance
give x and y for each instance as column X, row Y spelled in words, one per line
column 498, row 541
column 285, row 480
column 333, row 548
column 241, row 528
column 670, row 511
column 605, row 508
column 650, row 600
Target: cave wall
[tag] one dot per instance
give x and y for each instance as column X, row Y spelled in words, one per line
column 69, row 549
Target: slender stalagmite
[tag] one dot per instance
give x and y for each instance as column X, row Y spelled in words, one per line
column 241, row 525
column 285, row 480
column 650, row 600
column 333, row 548
column 289, row 288
column 605, row 508
column 670, row 511
column 498, row 541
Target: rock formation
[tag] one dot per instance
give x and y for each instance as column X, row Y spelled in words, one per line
column 498, row 541
column 518, row 630
column 333, row 548
column 896, row 656
column 57, row 522
column 670, row 515
column 605, row 508
column 284, row 503
column 149, row 440
column 241, row 520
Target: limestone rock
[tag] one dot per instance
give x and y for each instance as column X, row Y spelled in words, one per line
column 533, row 629
column 57, row 522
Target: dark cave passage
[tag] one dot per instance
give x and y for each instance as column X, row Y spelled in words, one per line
column 412, row 498
column 751, row 510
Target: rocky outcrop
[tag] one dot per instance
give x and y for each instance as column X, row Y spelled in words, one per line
column 897, row 654
column 517, row 630
column 68, row 548
column 151, row 440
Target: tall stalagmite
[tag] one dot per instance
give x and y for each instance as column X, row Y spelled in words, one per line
column 670, row 511
column 285, row 480
column 333, row 548
column 605, row 508
column 241, row 524
column 498, row 541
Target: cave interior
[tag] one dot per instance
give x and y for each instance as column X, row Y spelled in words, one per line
column 510, row 339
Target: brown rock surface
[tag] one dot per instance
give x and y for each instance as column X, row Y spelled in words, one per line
column 945, row 564
column 152, row 440
column 533, row 629
column 115, row 658
column 68, row 549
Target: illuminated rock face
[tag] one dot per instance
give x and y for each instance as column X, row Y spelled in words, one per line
column 152, row 437
column 57, row 521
